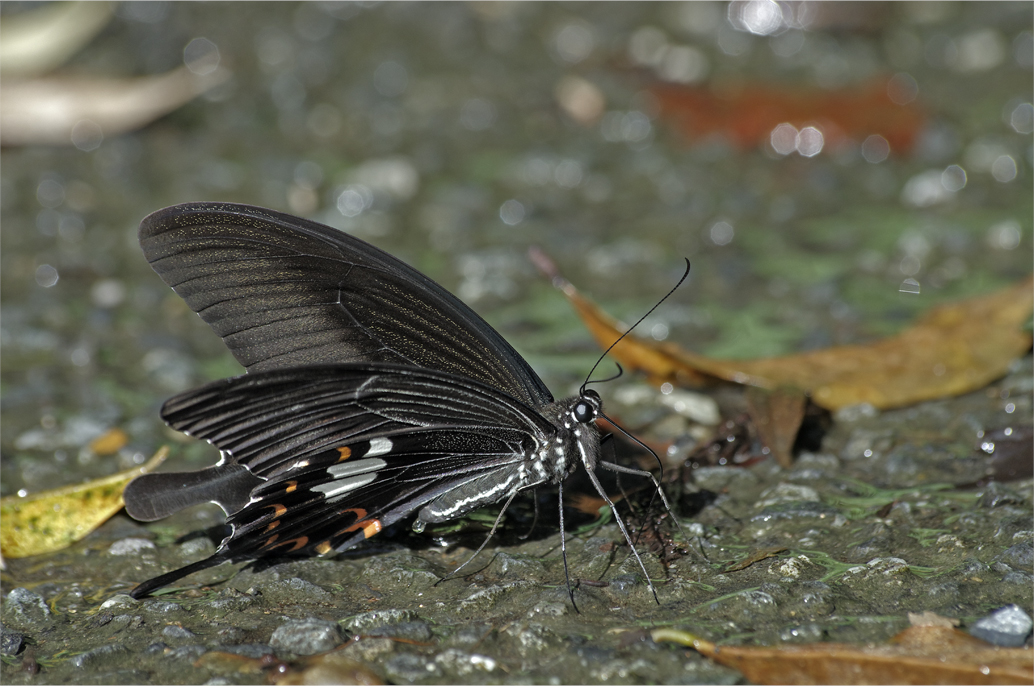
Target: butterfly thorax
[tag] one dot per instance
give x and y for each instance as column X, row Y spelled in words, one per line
column 549, row 459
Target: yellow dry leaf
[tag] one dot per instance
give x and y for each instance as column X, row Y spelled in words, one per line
column 52, row 520
column 953, row 349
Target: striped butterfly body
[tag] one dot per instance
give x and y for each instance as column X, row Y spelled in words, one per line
column 372, row 393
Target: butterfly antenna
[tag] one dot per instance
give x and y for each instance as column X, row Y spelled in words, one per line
column 607, row 351
column 621, row 372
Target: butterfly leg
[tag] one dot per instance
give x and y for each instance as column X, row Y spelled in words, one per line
column 535, row 519
column 563, row 546
column 610, row 466
column 621, row 524
column 488, row 538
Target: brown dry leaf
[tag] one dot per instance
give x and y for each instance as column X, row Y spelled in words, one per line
column 953, row 349
column 927, row 618
column 756, row 556
column 777, row 416
column 918, row 655
column 56, row 519
column 329, row 668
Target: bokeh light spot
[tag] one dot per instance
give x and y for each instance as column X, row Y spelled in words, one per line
column 46, row 276
column 902, row 89
column 201, row 56
column 87, row 135
column 810, row 141
column 722, row 233
column 953, row 178
column 1004, row 169
column 511, row 212
column 875, row 149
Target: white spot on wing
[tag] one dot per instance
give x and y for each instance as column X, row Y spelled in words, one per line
column 337, row 489
column 340, row 471
column 379, row 446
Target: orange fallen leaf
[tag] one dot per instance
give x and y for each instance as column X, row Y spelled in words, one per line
column 746, row 113
column 918, row 655
column 109, row 442
column 952, row 349
column 55, row 519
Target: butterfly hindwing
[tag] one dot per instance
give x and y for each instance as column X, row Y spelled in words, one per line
column 339, row 452
column 283, row 291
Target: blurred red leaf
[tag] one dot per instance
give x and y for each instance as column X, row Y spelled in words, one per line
column 747, row 113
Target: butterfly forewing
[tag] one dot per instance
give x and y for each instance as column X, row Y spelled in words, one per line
column 263, row 420
column 282, row 291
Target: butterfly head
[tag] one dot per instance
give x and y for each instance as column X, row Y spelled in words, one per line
column 587, row 407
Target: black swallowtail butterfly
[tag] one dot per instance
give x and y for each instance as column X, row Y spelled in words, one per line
column 372, row 393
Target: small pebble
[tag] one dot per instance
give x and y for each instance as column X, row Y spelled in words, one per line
column 25, row 610
column 98, row 657
column 119, row 600
column 1007, row 627
column 174, row 632
column 306, row 637
column 131, row 546
column 11, row 642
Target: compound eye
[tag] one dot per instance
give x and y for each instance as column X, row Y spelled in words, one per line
column 582, row 412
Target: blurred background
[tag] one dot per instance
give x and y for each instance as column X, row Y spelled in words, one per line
column 830, row 169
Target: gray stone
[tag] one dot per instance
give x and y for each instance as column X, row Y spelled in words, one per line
column 11, row 642
column 997, row 495
column 131, row 546
column 1020, row 556
column 408, row 667
column 801, row 509
column 178, row 634
column 412, row 631
column 1007, row 627
column 251, row 650
column 26, row 610
column 306, row 636
column 119, row 601
column 361, row 623
column 186, row 653
column 160, row 607
column 100, row 657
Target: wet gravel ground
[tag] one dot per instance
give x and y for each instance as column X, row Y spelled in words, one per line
column 862, row 541
column 455, row 105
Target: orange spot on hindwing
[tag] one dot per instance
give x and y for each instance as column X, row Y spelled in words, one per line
column 278, row 509
column 346, row 453
column 370, row 527
column 292, row 486
column 323, row 548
